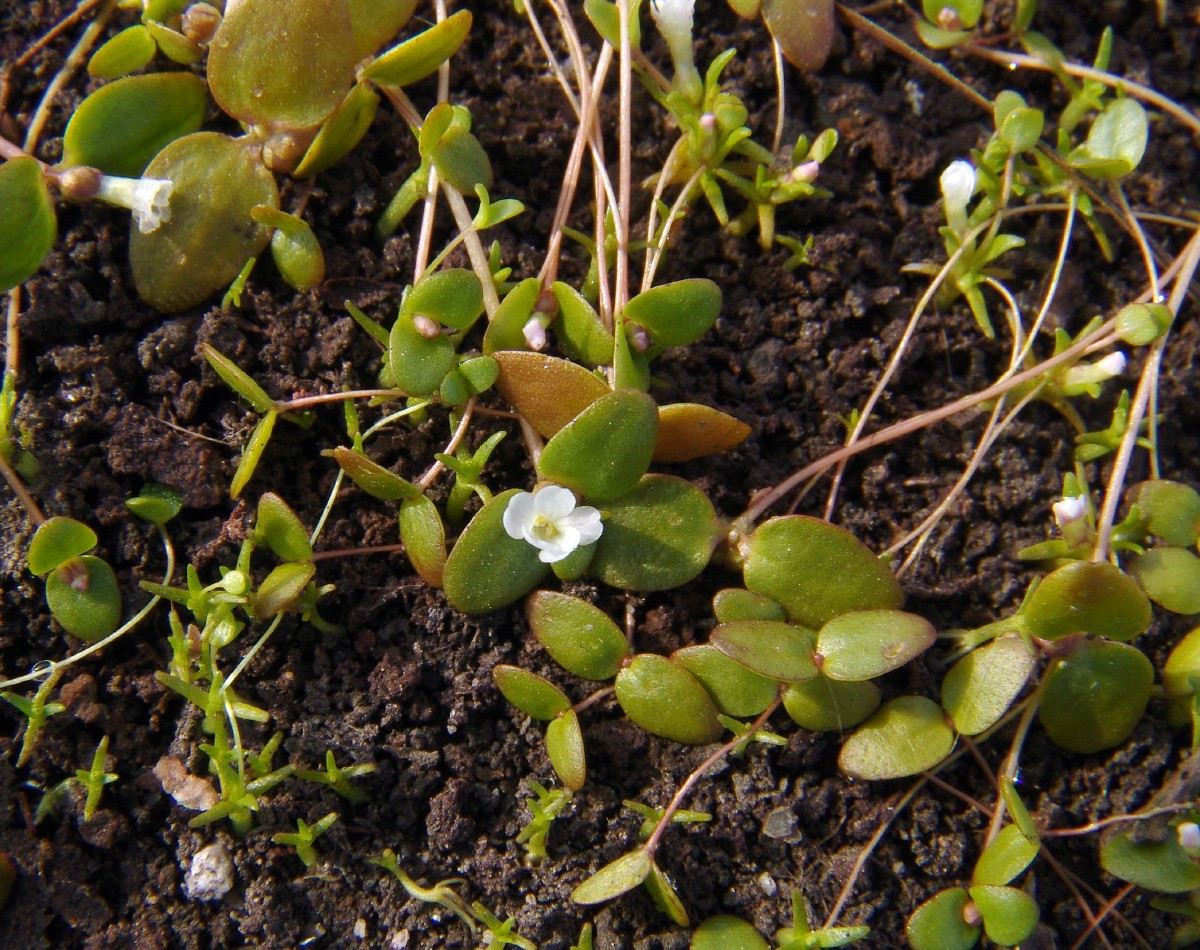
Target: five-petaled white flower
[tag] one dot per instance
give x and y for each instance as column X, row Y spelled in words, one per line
column 549, row 520
column 958, row 184
column 148, row 198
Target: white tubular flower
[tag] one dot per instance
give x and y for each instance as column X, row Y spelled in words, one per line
column 1069, row 510
column 1189, row 835
column 534, row 332
column 958, row 184
column 1088, row 376
column 674, row 21
column 1113, row 364
column 549, row 520
column 148, row 198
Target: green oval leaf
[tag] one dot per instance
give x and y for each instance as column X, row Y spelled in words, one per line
column 1171, row 511
column 1093, row 698
column 606, row 449
column 780, row 651
column 237, row 379
column 424, row 538
column 1170, row 577
column 663, row 893
column 295, row 249
column 417, row 363
column 825, row 705
column 486, row 569
column 1116, row 141
column 804, row 31
column 666, row 700
column 452, row 297
column 174, row 45
column 727, row 933
column 736, row 690
column 564, row 747
column 863, row 644
column 278, row 527
column 210, row 235
column 281, row 588
column 581, row 638
column 534, row 695
column 56, row 541
column 84, row 598
column 1162, row 866
column 156, row 503
column 373, row 478
column 341, row 132
column 687, row 431
column 252, row 453
column 678, row 313
column 461, row 160
column 416, row 58
column 549, row 392
column 1009, row 915
column 121, row 126
column 614, row 879
column 580, row 329
column 905, row 736
column 1006, row 857
column 282, row 64
column 1182, row 664
column 127, row 52
column 734, row 603
column 1099, row 599
column 27, row 220
column 938, row 924
column 816, row 570
column 506, row 329
column 377, row 21
column 981, row 687
column 658, row 536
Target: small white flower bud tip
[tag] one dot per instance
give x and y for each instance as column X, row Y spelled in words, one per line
column 958, row 184
column 1189, row 835
column 1113, row 364
column 1069, row 510
column 534, row 332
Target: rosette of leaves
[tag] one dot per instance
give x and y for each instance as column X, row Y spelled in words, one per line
column 991, row 906
column 293, row 74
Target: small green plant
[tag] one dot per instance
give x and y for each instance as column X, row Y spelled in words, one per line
column 303, row 837
column 727, row 932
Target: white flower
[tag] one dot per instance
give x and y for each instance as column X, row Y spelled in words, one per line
column 1113, row 364
column 534, row 332
column 674, row 21
column 148, row 198
column 958, row 184
column 1189, row 835
column 549, row 520
column 1069, row 510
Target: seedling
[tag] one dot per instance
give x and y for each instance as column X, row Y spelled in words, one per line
column 303, row 837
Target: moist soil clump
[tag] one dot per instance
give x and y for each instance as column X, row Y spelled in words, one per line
column 114, row 395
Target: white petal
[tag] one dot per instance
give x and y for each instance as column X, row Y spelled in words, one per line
column 586, row 521
column 553, row 502
column 1069, row 510
column 519, row 515
column 1113, row 364
column 958, row 184
column 554, row 551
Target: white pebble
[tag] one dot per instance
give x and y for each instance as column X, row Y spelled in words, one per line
column 211, row 875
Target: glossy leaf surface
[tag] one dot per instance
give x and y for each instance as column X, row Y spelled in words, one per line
column 278, row 527
column 1171, row 511
column 487, row 569
column 210, row 235
column 777, row 650
column 127, row 52
column 549, row 392
column 341, row 131
column 687, row 431
column 27, row 221
column 606, row 449
column 905, row 736
column 564, row 747
column 981, row 686
column 580, row 329
column 734, row 603
column 424, row 538
column 938, row 924
column 56, row 541
column 736, row 690
column 581, row 638
column 825, row 705
column 1009, row 914
column 1006, row 857
column 816, row 570
column 803, row 28
column 666, row 700
column 373, row 478
column 506, row 329
column 863, row 644
column 677, row 313
column 614, row 879
column 416, row 58
column 84, row 597
column 1170, row 577
column 281, row 588
column 1099, row 599
column 727, row 933
column 1162, row 866
column 1094, row 697
column 534, row 695
column 282, row 64
column 658, row 536
column 374, row 22
column 121, row 126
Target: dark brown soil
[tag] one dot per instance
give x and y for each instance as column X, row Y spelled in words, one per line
column 113, row 395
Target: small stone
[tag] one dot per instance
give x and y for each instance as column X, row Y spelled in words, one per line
column 767, row 884
column 779, row 823
column 211, row 875
column 360, row 929
column 399, row 940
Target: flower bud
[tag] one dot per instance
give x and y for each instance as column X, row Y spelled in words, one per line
column 200, row 22
column 80, row 183
column 958, row 184
column 427, row 326
column 535, row 333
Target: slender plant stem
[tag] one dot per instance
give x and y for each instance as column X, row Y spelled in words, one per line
column 23, row 496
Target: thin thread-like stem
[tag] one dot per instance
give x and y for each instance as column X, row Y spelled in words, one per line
column 621, row 212
column 460, row 433
column 84, row 8
column 23, row 496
